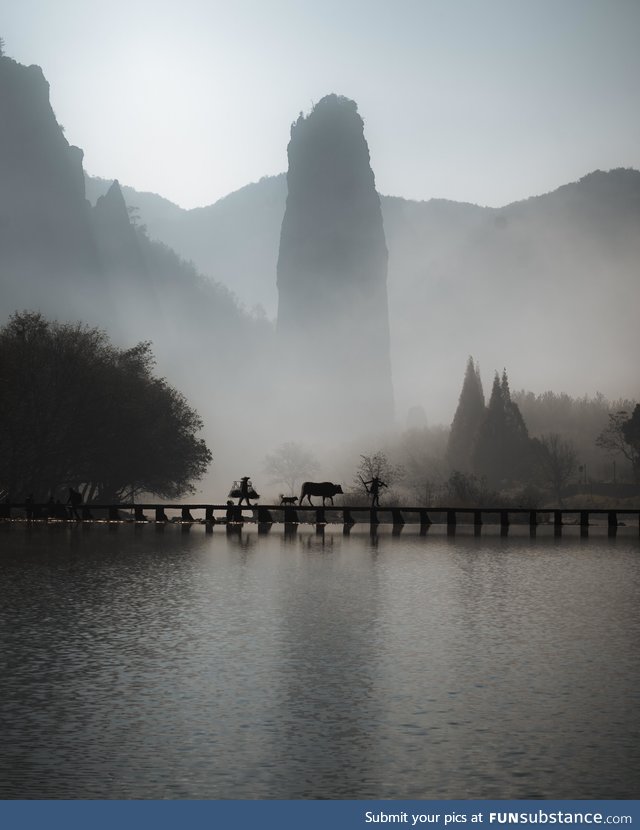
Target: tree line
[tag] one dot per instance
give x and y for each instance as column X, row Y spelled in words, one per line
column 79, row 412
column 517, row 448
column 493, row 444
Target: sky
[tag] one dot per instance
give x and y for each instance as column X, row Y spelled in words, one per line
column 483, row 101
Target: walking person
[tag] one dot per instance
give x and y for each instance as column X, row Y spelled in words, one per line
column 246, row 491
column 74, row 501
column 373, row 488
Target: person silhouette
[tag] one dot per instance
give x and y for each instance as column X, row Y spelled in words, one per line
column 244, row 491
column 74, row 501
column 373, row 488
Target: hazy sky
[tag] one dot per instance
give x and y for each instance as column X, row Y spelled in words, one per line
column 486, row 101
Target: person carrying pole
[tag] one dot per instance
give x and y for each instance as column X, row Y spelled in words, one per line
column 373, row 489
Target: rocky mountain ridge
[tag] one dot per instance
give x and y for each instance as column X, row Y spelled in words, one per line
column 546, row 285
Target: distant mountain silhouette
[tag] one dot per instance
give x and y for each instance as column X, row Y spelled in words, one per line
column 72, row 260
column 549, row 285
column 234, row 240
column 46, row 243
column 554, row 278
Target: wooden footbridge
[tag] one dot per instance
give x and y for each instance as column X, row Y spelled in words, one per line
column 266, row 515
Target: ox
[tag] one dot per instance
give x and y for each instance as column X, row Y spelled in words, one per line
column 323, row 488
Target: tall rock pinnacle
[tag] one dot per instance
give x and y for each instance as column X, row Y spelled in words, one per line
column 333, row 321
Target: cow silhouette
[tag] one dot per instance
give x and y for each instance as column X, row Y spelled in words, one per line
column 322, row 488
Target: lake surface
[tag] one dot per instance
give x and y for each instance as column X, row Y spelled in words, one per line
column 169, row 662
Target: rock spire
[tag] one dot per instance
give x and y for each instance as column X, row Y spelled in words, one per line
column 333, row 320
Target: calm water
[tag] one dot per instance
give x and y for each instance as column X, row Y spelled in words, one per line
column 167, row 663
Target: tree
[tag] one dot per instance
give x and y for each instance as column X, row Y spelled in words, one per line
column 558, row 461
column 289, row 464
column 467, row 420
column 421, row 455
column 622, row 437
column 468, row 491
column 503, row 450
column 77, row 411
column 376, row 466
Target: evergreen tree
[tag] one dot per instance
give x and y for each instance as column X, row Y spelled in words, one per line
column 503, row 450
column 466, row 421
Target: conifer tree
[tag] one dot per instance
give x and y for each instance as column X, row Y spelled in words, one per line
column 503, row 450
column 466, row 421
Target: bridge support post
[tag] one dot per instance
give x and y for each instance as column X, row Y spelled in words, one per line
column 86, row 514
column 425, row 521
column 290, row 516
column 161, row 516
column 264, row 516
column 612, row 521
column 451, row 521
column 347, row 518
column 397, row 518
column 208, row 515
column 477, row 518
column 320, row 516
column 186, row 515
column 373, row 516
column 504, row 520
column 557, row 521
column 139, row 514
column 113, row 514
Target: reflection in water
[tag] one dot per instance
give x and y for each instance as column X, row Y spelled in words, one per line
column 154, row 662
column 327, row 702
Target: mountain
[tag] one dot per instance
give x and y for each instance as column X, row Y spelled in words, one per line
column 234, row 240
column 547, row 286
column 46, row 242
column 72, row 260
column 333, row 318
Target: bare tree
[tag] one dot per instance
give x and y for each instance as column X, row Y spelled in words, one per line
column 289, row 464
column 376, row 466
column 558, row 462
column 622, row 437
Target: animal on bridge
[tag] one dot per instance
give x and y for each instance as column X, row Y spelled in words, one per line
column 290, row 500
column 326, row 489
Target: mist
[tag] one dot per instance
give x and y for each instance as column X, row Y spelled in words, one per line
column 307, row 307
